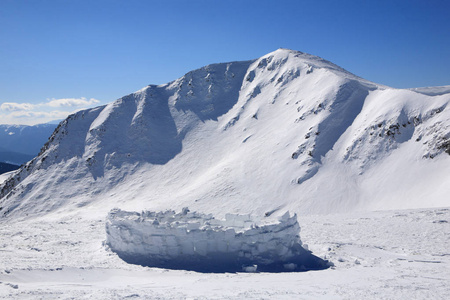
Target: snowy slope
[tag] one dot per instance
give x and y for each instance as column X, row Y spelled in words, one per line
column 288, row 130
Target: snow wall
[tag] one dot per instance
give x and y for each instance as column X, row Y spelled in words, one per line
column 199, row 242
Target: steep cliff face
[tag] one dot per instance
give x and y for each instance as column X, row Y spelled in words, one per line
column 286, row 130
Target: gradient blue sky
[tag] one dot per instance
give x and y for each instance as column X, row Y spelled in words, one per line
column 77, row 53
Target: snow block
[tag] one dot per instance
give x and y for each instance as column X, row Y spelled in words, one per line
column 199, row 242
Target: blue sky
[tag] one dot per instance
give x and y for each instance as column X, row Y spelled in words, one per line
column 58, row 56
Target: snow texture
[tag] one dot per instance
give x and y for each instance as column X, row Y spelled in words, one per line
column 246, row 137
column 401, row 254
column 285, row 132
column 193, row 241
column 274, row 131
column 208, row 138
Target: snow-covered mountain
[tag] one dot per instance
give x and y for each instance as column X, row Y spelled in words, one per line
column 287, row 131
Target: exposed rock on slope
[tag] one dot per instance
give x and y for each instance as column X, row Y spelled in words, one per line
column 287, row 130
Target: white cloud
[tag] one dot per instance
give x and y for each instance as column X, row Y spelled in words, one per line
column 70, row 102
column 53, row 109
column 11, row 106
column 65, row 102
column 33, row 117
column 56, row 114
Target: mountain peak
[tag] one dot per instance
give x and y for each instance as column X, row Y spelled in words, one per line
column 246, row 137
column 312, row 61
column 287, row 50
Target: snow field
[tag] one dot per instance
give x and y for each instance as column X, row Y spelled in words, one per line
column 377, row 255
column 286, row 132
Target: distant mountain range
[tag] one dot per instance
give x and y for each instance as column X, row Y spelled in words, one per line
column 4, row 167
column 20, row 143
column 287, row 131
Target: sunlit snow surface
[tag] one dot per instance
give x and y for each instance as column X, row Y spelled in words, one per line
column 377, row 255
column 286, row 132
column 246, row 137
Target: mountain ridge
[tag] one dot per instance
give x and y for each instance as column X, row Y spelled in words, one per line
column 287, row 130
